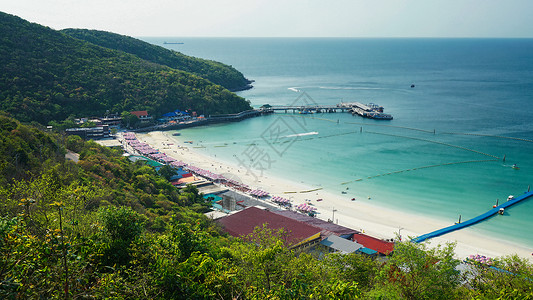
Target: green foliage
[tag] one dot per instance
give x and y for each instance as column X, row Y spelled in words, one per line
column 418, row 272
column 213, row 71
column 24, row 148
column 46, row 75
column 510, row 277
column 121, row 226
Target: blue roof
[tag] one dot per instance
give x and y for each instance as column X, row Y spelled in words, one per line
column 367, row 251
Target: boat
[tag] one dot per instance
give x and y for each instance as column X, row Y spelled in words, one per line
column 306, row 112
column 176, row 134
column 511, row 197
column 382, row 116
column 371, row 111
column 501, row 211
column 515, row 167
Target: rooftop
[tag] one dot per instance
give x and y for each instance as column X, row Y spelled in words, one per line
column 327, row 228
column 243, row 223
column 383, row 247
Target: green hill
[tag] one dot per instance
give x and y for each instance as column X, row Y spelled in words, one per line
column 213, row 71
column 47, row 75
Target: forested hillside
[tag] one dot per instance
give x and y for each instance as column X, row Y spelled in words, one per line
column 47, row 75
column 213, row 71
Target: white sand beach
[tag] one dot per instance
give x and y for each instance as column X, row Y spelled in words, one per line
column 361, row 214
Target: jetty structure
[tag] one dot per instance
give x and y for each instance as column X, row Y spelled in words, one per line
column 371, row 110
column 495, row 210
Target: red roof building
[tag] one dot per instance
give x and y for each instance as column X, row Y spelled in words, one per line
column 141, row 114
column 244, row 222
column 381, row 246
column 327, row 228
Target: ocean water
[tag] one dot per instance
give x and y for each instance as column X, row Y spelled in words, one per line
column 441, row 156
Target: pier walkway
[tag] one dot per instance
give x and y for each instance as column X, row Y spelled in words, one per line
column 371, row 110
column 316, row 108
column 472, row 221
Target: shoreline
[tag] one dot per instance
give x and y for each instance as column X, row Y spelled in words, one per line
column 370, row 218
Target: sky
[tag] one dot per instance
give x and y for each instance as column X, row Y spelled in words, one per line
column 284, row 18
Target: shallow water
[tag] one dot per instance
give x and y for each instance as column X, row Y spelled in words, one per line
column 442, row 155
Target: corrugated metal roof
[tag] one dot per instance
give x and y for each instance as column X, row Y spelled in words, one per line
column 340, row 244
column 243, row 223
column 383, row 247
column 327, row 228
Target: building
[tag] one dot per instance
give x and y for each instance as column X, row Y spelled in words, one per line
column 142, row 115
column 177, row 115
column 90, row 133
column 327, row 228
column 382, row 247
column 335, row 243
column 243, row 223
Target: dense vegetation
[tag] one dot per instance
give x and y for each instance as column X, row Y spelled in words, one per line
column 47, row 75
column 213, row 71
column 109, row 228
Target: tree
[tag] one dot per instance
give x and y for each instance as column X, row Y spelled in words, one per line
column 121, row 226
column 418, row 272
column 508, row 277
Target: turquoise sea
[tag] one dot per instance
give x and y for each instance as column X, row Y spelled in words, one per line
column 441, row 156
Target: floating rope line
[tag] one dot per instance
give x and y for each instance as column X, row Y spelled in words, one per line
column 436, row 142
column 422, row 167
column 392, row 126
column 488, row 135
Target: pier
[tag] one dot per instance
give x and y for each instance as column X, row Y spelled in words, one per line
column 308, row 109
column 472, row 221
column 371, row 110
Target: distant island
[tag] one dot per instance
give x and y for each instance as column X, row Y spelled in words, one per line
column 172, row 43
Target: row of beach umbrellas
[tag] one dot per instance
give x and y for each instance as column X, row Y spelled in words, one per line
column 145, row 149
column 259, row 193
column 280, row 200
column 205, row 173
column 304, row 207
column 480, row 259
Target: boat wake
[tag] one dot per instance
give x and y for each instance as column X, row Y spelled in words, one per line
column 294, row 89
column 302, row 134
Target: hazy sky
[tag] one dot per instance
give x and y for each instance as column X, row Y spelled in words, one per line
column 284, row 18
